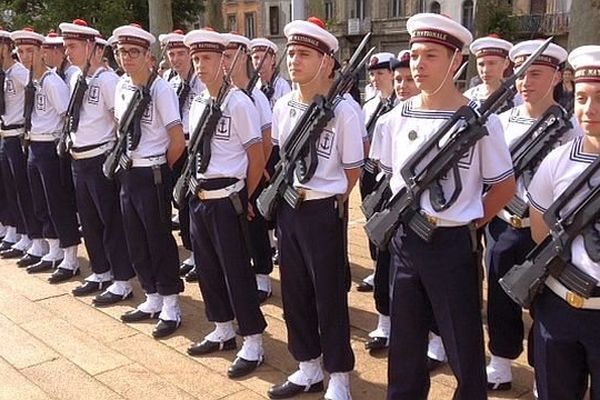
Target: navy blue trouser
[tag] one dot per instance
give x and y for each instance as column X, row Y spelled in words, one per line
column 151, row 245
column 17, row 165
column 381, row 291
column 435, row 280
column 184, row 212
column 9, row 209
column 53, row 203
column 567, row 349
column 262, row 259
column 226, row 279
column 314, row 283
column 366, row 185
column 506, row 247
column 101, row 221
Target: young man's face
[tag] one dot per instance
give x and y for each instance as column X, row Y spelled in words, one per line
column 587, row 107
column 53, row 56
column 29, row 54
column 431, row 64
column 305, row 63
column 229, row 55
column 268, row 65
column 207, row 66
column 133, row 58
column 381, row 79
column 404, row 84
column 77, row 51
column 491, row 68
column 537, row 83
column 179, row 58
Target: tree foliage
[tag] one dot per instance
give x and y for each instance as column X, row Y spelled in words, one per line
column 104, row 15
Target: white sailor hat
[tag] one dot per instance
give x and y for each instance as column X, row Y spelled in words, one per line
column 311, row 33
column 112, row 41
column 403, row 60
column 380, row 61
column 27, row 36
column 262, row 44
column 491, row 45
column 438, row 28
column 134, row 34
column 173, row 39
column 101, row 41
column 553, row 56
column 235, row 40
column 5, row 36
column 585, row 60
column 52, row 39
column 205, row 40
column 78, row 29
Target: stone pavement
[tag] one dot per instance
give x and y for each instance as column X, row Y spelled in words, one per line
column 56, row 346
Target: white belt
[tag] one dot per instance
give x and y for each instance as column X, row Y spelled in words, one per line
column 309, row 194
column 148, row 161
column 221, row 193
column 574, row 300
column 513, row 220
column 12, row 133
column 95, row 152
column 42, row 137
column 440, row 222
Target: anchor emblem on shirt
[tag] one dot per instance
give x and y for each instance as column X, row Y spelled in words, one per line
column 325, row 143
column 222, row 129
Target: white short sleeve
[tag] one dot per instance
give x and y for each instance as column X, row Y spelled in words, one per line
column 58, row 94
column 496, row 163
column 243, row 122
column 167, row 105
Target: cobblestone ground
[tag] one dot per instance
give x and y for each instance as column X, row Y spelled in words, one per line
column 55, row 346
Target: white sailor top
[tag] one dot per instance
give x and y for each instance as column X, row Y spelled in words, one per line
column 405, row 129
column 515, row 124
column 96, row 117
column 70, row 71
column 196, row 87
column 556, row 172
column 281, row 87
column 340, row 145
column 361, row 116
column 265, row 114
column 161, row 114
column 50, row 104
column 476, row 94
column 16, row 79
column 236, row 131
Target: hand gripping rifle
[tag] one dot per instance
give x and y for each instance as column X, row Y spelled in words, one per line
column 303, row 140
column 523, row 282
column 129, row 130
column 462, row 130
column 74, row 109
column 200, row 140
column 533, row 146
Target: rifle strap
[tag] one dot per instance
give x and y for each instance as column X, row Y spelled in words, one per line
column 591, row 241
column 135, row 132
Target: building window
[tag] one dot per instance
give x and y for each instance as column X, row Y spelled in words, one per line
column 467, row 14
column 274, row 20
column 359, row 9
column 231, row 23
column 396, row 9
column 435, row 8
column 328, row 11
column 250, row 28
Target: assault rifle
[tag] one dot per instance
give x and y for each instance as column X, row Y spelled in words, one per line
column 523, row 282
column 2, row 79
column 255, row 75
column 74, row 109
column 300, row 147
column 200, row 140
column 29, row 103
column 129, row 131
column 62, row 68
column 269, row 88
column 383, row 107
column 183, row 91
column 533, row 146
column 439, row 156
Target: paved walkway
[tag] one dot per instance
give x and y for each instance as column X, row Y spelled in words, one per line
column 55, row 346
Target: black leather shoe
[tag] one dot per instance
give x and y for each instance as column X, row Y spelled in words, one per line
column 364, row 287
column 288, row 389
column 207, row 347
column 11, row 253
column 192, row 276
column 138, row 315
column 43, row 266
column 165, row 328
column 28, row 260
column 185, row 268
column 263, row 296
column 6, row 245
column 376, row 343
column 89, row 288
column 62, row 274
column 433, row 364
column 499, row 387
column 242, row 367
column 108, row 298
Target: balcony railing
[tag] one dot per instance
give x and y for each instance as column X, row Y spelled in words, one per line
column 548, row 24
